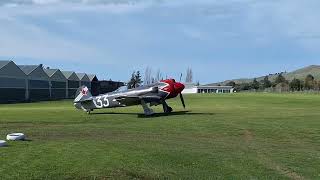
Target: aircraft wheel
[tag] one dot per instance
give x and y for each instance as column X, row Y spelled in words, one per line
column 169, row 109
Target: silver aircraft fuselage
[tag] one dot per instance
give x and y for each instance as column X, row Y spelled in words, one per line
column 153, row 94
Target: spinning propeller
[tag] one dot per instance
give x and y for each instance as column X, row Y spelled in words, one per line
column 182, row 100
column 175, row 89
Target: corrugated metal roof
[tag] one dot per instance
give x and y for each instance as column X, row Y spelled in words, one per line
column 4, row 63
column 10, row 69
column 81, row 75
column 92, row 76
column 70, row 75
column 55, row 75
column 67, row 74
column 50, row 72
column 27, row 69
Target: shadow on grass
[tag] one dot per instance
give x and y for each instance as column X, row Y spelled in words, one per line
column 27, row 140
column 176, row 113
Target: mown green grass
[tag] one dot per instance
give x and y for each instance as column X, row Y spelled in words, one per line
column 234, row 136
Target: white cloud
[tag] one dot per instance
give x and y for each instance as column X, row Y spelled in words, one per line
column 288, row 19
column 87, row 2
column 43, row 7
column 25, row 40
column 261, row 22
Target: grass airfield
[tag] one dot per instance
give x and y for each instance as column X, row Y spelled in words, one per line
column 225, row 136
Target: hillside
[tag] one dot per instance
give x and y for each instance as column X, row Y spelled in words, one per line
column 299, row 74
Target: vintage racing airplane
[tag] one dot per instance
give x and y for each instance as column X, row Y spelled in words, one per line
column 152, row 95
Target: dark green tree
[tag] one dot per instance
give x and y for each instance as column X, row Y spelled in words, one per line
column 309, row 82
column 231, row 83
column 138, row 79
column 135, row 80
column 266, row 83
column 131, row 84
column 244, row 87
column 296, row 85
column 280, row 79
column 255, row 84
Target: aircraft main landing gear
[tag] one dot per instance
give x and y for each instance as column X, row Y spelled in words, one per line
column 146, row 109
column 166, row 108
column 89, row 111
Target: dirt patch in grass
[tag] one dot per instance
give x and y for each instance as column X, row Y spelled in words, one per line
column 279, row 168
column 248, row 136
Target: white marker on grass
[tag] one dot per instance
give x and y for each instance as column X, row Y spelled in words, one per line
column 16, row 137
column 3, row 143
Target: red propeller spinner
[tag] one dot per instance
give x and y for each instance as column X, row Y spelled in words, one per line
column 174, row 89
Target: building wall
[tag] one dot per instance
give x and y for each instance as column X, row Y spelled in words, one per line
column 207, row 89
column 215, row 90
column 58, row 86
column 58, row 89
column 109, row 86
column 58, row 94
column 95, row 88
column 16, row 86
column 86, row 83
column 190, row 90
column 38, row 90
column 38, row 85
column 12, row 84
column 72, row 88
column 12, row 89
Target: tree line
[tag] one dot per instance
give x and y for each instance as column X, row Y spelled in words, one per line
column 150, row 78
column 280, row 84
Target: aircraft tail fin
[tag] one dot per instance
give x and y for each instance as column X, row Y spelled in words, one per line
column 83, row 94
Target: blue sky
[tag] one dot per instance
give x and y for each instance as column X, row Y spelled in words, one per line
column 218, row 39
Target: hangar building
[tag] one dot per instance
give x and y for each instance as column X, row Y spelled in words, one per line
column 73, row 83
column 23, row 83
column 38, row 82
column 84, row 80
column 95, row 87
column 58, row 84
column 192, row 89
column 12, row 82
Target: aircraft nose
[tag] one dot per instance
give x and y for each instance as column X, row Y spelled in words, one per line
column 179, row 87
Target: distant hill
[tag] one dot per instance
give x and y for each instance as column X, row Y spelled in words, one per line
column 299, row 74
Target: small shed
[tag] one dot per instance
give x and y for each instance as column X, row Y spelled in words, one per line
column 73, row 83
column 58, row 84
column 13, row 83
column 38, row 88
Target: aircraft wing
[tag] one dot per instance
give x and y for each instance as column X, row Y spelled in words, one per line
column 128, row 100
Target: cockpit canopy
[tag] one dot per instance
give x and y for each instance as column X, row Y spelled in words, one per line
column 121, row 89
